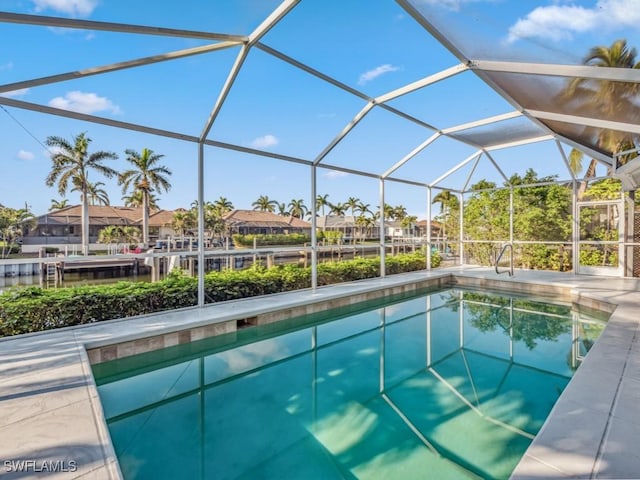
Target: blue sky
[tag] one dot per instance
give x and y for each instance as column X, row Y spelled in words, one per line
column 374, row 47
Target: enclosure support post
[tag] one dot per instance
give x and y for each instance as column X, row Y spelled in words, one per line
column 201, row 224
column 511, row 214
column 575, row 231
column 461, row 248
column 428, row 252
column 382, row 232
column 314, row 235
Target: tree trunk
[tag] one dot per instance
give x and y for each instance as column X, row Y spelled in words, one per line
column 591, row 172
column 145, row 219
column 85, row 224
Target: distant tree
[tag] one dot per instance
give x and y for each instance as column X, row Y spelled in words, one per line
column 338, row 209
column 283, row 211
column 264, row 204
column 297, row 208
column 136, row 199
column 72, row 164
column 146, row 176
column 58, row 204
column 352, row 203
column 13, row 223
column 96, row 195
column 223, row 205
column 322, row 201
column 183, row 220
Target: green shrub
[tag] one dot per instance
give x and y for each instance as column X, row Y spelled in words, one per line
column 263, row 240
column 34, row 309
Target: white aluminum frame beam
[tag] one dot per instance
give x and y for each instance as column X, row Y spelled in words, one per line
column 224, row 92
column 473, row 170
column 586, row 121
column 59, row 22
column 456, row 168
column 350, row 126
column 412, row 154
column 588, row 72
column 518, row 143
column 417, row 85
column 565, row 160
column 34, row 107
column 86, row 72
column 482, row 122
column 497, row 167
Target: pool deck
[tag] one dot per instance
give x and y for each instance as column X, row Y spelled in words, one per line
column 50, row 413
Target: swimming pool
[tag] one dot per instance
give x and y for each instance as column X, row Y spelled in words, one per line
column 447, row 384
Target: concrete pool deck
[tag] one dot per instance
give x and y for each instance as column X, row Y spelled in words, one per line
column 51, row 417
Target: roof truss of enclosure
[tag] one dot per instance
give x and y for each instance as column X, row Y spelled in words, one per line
column 538, row 108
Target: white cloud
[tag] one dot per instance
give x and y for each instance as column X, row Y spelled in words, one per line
column 326, row 115
column 76, row 8
column 6, row 66
column 25, row 155
column 265, row 141
column 82, row 102
column 561, row 22
column 15, row 93
column 376, row 72
column 335, row 174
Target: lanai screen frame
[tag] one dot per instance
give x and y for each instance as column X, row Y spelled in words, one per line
column 482, row 68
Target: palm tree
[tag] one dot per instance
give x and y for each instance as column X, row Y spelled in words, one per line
column 58, row 204
column 223, row 205
column 264, row 204
column 136, row 199
column 13, row 223
column 182, row 221
column 363, row 209
column 608, row 99
column 338, row 209
column 146, row 176
column 72, row 164
column 352, row 203
column 399, row 212
column 322, row 201
column 95, row 194
column 297, row 208
column 282, row 209
column 448, row 201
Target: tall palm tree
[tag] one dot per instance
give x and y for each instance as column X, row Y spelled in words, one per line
column 96, row 195
column 264, row 204
column 338, row 209
column 223, row 205
column 283, row 211
column 58, row 204
column 352, row 203
column 399, row 212
column 297, row 208
column 147, row 176
column 364, row 209
column 322, row 201
column 182, row 221
column 72, row 163
column 608, row 99
column 136, row 199
column 448, row 202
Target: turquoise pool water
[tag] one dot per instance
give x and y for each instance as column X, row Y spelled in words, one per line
column 448, row 384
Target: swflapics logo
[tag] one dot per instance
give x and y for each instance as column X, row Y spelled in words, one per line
column 43, row 466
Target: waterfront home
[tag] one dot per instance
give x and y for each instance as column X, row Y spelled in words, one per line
column 251, row 222
column 62, row 228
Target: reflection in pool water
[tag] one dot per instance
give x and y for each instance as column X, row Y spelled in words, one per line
column 453, row 384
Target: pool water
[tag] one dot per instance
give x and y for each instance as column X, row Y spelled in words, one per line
column 448, row 384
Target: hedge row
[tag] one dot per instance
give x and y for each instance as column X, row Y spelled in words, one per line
column 34, row 309
column 263, row 240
